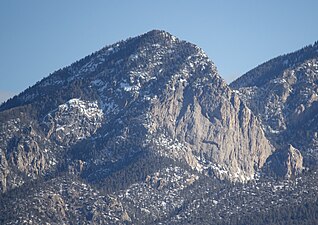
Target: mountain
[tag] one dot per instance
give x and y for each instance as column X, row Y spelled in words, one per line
column 145, row 131
column 283, row 94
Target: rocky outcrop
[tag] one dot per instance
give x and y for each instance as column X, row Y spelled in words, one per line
column 73, row 121
column 225, row 133
column 285, row 163
column 279, row 102
column 26, row 152
column 4, row 171
column 22, row 154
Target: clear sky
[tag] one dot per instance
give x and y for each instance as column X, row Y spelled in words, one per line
column 38, row 37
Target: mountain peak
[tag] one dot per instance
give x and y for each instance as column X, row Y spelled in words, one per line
column 171, row 86
column 159, row 36
column 158, row 33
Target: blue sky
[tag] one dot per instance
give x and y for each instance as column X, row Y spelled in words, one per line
column 38, row 37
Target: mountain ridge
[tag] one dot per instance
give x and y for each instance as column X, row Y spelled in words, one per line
column 304, row 53
column 287, row 102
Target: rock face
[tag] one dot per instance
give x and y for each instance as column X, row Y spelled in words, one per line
column 283, row 93
column 285, row 163
column 24, row 153
column 294, row 162
column 217, row 127
column 73, row 121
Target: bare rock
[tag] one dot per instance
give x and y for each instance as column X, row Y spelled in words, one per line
column 216, row 126
column 125, row 217
column 285, row 163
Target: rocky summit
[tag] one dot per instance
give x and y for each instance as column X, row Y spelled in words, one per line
column 145, row 131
